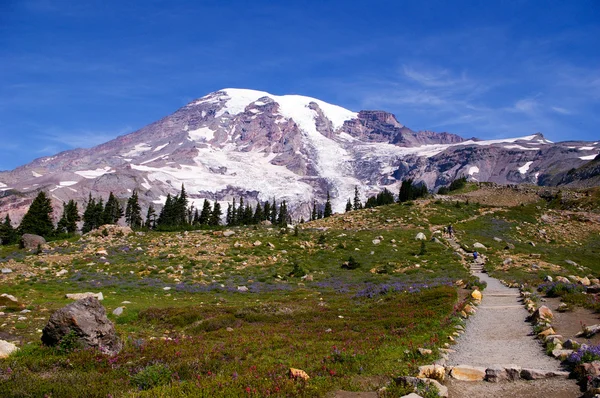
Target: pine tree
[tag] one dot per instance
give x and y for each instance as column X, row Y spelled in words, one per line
column 151, row 217
column 229, row 216
column 180, row 208
column 215, row 216
column 8, row 234
column 282, row 218
column 313, row 215
column 328, row 212
column 206, row 213
column 348, row 206
column 406, row 191
column 112, row 211
column 61, row 226
column 133, row 213
column 266, row 211
column 258, row 213
column 273, row 216
column 319, row 214
column 234, row 220
column 248, row 215
column 88, row 215
column 196, row 220
column 165, row 217
column 38, row 219
column 240, row 213
column 68, row 220
column 357, row 202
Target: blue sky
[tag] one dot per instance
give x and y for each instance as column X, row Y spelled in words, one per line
column 78, row 73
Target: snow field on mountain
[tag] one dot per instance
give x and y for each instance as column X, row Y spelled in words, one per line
column 523, row 169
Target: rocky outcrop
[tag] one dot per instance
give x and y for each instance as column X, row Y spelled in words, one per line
column 32, row 242
column 87, row 320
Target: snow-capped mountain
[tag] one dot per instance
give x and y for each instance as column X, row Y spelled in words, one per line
column 237, row 142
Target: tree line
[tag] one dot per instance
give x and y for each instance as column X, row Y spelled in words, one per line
column 177, row 214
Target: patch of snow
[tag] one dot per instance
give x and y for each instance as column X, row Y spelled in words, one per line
column 153, row 159
column 138, row 149
column 158, row 148
column 587, row 148
column 473, row 170
column 4, row 187
column 537, row 175
column 127, row 160
column 571, row 147
column 74, row 190
column 201, row 134
column 290, row 106
column 523, row 169
column 35, row 174
column 146, row 185
column 94, row 173
column 588, row 157
column 67, row 183
column 523, row 148
column 346, row 137
column 186, row 128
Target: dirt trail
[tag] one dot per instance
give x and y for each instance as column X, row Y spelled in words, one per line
column 498, row 334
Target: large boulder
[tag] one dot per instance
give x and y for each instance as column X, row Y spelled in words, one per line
column 32, row 242
column 87, row 319
column 6, row 349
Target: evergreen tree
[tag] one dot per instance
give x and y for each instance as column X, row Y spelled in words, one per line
column 8, row 234
column 88, row 215
column 406, row 191
column 205, row 214
column 248, row 215
column 385, row 197
column 234, row 220
column 319, row 214
column 273, row 217
column 196, row 220
column 357, row 202
column 371, row 202
column 112, row 211
column 180, row 208
column 229, row 216
column 166, row 216
column 240, row 213
column 215, row 216
column 282, row 218
column 313, row 215
column 266, row 211
column 70, row 217
column 348, row 206
column 61, row 226
column 151, row 217
column 258, row 213
column 133, row 212
column 38, row 219
column 328, row 212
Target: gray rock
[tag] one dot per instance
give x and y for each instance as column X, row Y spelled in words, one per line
column 497, row 239
column 6, row 270
column 420, row 236
column 242, row 289
column 478, row 245
column 571, row 344
column 548, row 278
column 496, row 374
column 118, row 311
column 9, row 297
column 509, row 246
column 571, row 262
column 6, row 349
column 87, row 319
column 79, row 296
column 32, row 242
column 228, row 233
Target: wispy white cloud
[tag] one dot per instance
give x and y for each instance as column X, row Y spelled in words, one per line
column 82, row 138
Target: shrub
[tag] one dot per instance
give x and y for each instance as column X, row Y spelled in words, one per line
column 559, row 289
column 297, row 271
column 69, row 343
column 151, row 376
column 351, row 264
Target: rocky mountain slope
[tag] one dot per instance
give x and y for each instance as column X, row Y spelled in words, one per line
column 237, row 142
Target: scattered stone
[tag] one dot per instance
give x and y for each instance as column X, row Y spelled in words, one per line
column 408, row 381
column 547, row 278
column 543, row 313
column 6, row 349
column 537, row 374
column 87, row 319
column 562, row 279
column 507, row 261
column 497, row 239
column 118, row 311
column 468, row 373
column 242, row 289
column 376, row 241
column 101, row 252
column 496, row 374
column 32, row 242
column 6, row 270
column 167, row 288
column 424, row 351
column 509, row 246
column 298, row 374
column 411, row 395
column 593, row 289
column 61, row 272
column 478, row 245
column 228, row 233
column 571, row 262
column 9, row 297
column 436, row 372
column 589, row 331
column 561, row 354
column 571, row 344
column 545, row 333
column 476, row 294
column 257, row 243
column 272, row 246
column 229, row 329
column 420, row 236
column 80, row 296
column 530, row 243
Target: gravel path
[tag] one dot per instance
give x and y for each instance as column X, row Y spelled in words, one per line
column 498, row 333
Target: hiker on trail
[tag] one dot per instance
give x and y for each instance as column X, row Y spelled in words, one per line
column 475, row 254
column 445, row 232
column 450, row 230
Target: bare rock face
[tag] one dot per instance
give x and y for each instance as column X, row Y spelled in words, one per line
column 32, row 242
column 87, row 320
